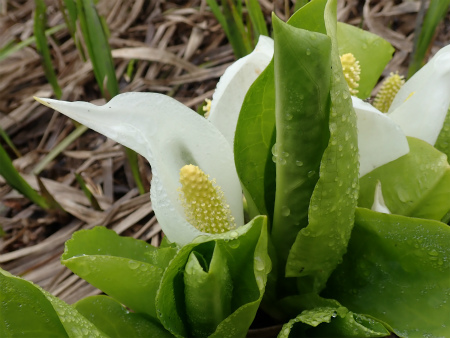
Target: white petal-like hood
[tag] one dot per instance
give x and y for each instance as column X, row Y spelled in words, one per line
column 169, row 135
column 380, row 140
column 421, row 105
column 234, row 84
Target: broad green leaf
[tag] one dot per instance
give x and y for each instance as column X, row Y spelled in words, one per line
column 40, row 21
column 245, row 253
column 443, row 140
column 29, row 311
column 437, row 10
column 332, row 322
column 253, row 141
column 416, row 184
column 116, row 321
column 372, row 52
column 208, row 290
column 302, row 86
column 12, row 176
column 320, row 246
column 397, row 269
column 127, row 269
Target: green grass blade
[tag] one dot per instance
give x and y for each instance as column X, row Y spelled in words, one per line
column 238, row 35
column 98, row 47
column 257, row 18
column 87, row 192
column 11, row 47
column 59, row 148
column 10, row 144
column 12, row 176
column 40, row 21
column 133, row 161
column 425, row 32
column 214, row 6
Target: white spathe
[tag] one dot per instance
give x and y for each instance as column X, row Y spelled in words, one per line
column 234, row 84
column 169, row 135
column 421, row 105
column 380, row 140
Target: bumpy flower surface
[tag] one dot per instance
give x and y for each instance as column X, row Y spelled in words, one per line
column 389, row 89
column 204, row 202
column 352, row 72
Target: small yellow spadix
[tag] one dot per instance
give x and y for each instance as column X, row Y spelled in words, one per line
column 204, row 202
column 352, row 72
column 389, row 88
column 207, row 108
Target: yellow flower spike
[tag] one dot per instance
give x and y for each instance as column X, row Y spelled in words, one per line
column 352, row 72
column 389, row 89
column 207, row 108
column 204, row 202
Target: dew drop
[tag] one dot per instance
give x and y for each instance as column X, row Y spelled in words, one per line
column 311, row 173
column 308, row 51
column 289, row 116
column 133, row 265
column 298, row 163
column 285, row 211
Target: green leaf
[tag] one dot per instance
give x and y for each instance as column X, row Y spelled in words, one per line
column 245, row 253
column 437, row 10
column 12, row 176
column 302, row 87
column 397, row 270
column 320, row 246
column 40, row 22
column 332, row 322
column 98, row 47
column 443, row 140
column 29, row 311
column 253, row 141
column 257, row 18
column 207, row 292
column 116, row 321
column 416, row 184
column 127, row 269
column 372, row 52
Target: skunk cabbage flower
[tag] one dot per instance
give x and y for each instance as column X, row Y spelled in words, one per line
column 195, row 189
column 418, row 110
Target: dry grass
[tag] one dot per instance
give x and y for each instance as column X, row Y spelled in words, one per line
column 180, row 50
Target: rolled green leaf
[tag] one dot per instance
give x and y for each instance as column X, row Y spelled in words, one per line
column 320, row 246
column 245, row 252
column 207, row 292
column 397, row 270
column 302, row 87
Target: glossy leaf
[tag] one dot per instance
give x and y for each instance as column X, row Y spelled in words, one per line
column 320, row 246
column 116, row 321
column 29, row 311
column 126, row 269
column 254, row 138
column 416, row 184
column 302, row 87
column 397, row 270
column 372, row 52
column 245, row 252
column 332, row 322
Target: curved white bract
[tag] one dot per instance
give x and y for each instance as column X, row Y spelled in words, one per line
column 169, row 135
column 380, row 140
column 234, row 84
column 421, row 105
